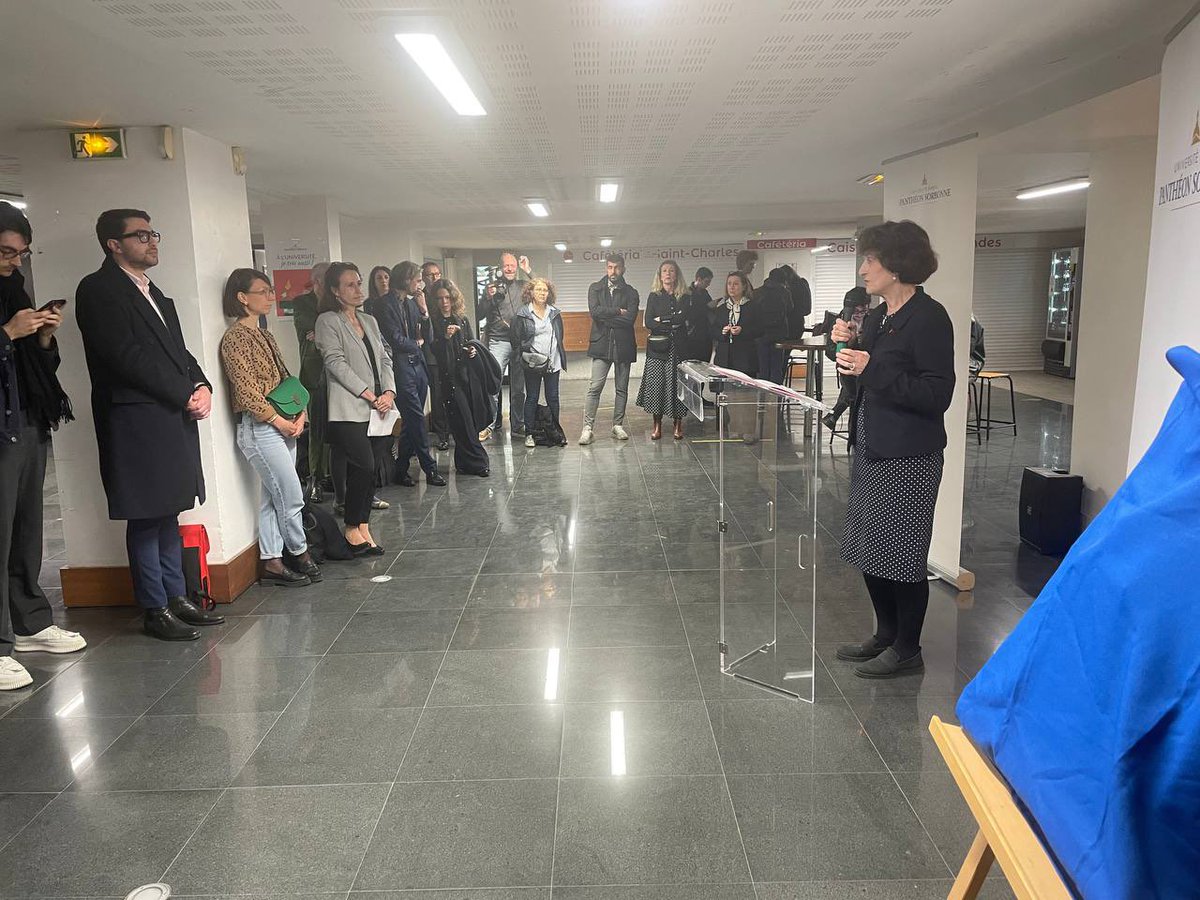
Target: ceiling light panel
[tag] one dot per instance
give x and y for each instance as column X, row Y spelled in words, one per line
column 430, row 55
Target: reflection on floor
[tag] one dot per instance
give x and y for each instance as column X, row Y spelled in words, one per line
column 458, row 727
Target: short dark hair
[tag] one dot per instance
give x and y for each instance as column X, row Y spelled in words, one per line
column 12, row 219
column 332, row 276
column 902, row 248
column 745, row 256
column 856, row 296
column 704, row 272
column 430, row 262
column 402, row 273
column 111, row 225
column 615, row 258
column 239, row 281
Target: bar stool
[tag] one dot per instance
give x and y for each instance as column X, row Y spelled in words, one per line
column 983, row 406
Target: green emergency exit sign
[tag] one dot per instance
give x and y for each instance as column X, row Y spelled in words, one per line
column 102, row 143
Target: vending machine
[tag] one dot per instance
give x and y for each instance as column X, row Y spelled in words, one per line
column 1062, row 313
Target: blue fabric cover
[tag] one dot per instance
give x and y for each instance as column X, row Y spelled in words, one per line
column 1091, row 708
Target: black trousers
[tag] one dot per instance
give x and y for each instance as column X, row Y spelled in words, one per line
column 363, row 454
column 439, row 415
column 24, row 608
column 469, row 455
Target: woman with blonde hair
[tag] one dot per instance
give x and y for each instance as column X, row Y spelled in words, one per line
column 665, row 318
column 456, row 351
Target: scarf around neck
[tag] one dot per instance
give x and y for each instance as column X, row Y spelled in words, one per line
column 42, row 398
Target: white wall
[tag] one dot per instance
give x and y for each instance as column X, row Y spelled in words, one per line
column 204, row 221
column 379, row 242
column 1110, row 316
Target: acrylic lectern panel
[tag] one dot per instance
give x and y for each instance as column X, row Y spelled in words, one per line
column 766, row 478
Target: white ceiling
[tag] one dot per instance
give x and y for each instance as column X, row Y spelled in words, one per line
column 719, row 116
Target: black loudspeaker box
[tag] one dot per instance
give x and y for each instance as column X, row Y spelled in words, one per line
column 1051, row 509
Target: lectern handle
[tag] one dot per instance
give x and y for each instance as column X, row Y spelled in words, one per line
column 771, row 516
column 800, row 552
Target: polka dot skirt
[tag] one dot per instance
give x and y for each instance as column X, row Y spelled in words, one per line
column 889, row 519
column 658, row 395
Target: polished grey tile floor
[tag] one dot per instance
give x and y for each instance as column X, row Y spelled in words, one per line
column 529, row 706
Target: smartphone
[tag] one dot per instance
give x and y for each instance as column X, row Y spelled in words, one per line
column 54, row 305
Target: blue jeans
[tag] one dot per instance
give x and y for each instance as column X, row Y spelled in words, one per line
column 280, row 514
column 502, row 351
column 534, row 380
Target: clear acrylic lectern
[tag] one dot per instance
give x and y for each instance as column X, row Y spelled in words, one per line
column 767, row 525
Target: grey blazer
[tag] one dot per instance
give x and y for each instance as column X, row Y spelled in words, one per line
column 349, row 368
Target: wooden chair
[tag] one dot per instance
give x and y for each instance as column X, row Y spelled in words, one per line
column 1004, row 836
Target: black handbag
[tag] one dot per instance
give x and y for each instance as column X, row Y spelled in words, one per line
column 658, row 345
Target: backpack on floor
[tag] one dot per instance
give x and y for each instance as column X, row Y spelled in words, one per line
column 325, row 539
column 546, row 430
column 195, row 565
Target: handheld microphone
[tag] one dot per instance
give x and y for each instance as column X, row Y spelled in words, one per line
column 846, row 316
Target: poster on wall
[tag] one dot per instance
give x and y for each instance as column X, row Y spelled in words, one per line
column 937, row 189
column 292, row 276
column 1174, row 264
column 290, row 284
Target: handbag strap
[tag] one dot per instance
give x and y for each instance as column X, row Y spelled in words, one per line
column 274, row 350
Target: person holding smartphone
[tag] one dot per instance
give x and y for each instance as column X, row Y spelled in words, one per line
column 31, row 403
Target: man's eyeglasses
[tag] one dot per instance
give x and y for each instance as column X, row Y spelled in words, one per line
column 10, row 253
column 143, row 236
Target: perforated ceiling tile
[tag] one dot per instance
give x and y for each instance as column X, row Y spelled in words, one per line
column 498, row 15
column 799, row 11
column 715, row 13
column 586, row 58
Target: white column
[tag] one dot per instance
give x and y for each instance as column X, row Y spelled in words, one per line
column 199, row 205
column 937, row 189
column 1174, row 268
column 379, row 242
column 1111, row 309
column 297, row 233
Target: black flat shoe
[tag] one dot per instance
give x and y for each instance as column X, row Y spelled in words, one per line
column 161, row 624
column 888, row 664
column 407, row 480
column 868, row 649
column 482, row 473
column 365, row 549
column 286, row 578
column 436, row 479
column 184, row 609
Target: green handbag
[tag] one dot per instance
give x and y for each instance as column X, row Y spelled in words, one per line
column 289, row 397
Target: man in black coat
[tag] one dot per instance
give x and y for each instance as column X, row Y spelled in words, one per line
column 148, row 393
column 613, row 305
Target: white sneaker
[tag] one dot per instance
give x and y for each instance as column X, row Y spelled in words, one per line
column 620, row 433
column 587, row 437
column 529, row 441
column 50, row 640
column 13, row 675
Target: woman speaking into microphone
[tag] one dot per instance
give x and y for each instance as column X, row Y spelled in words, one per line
column 904, row 362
